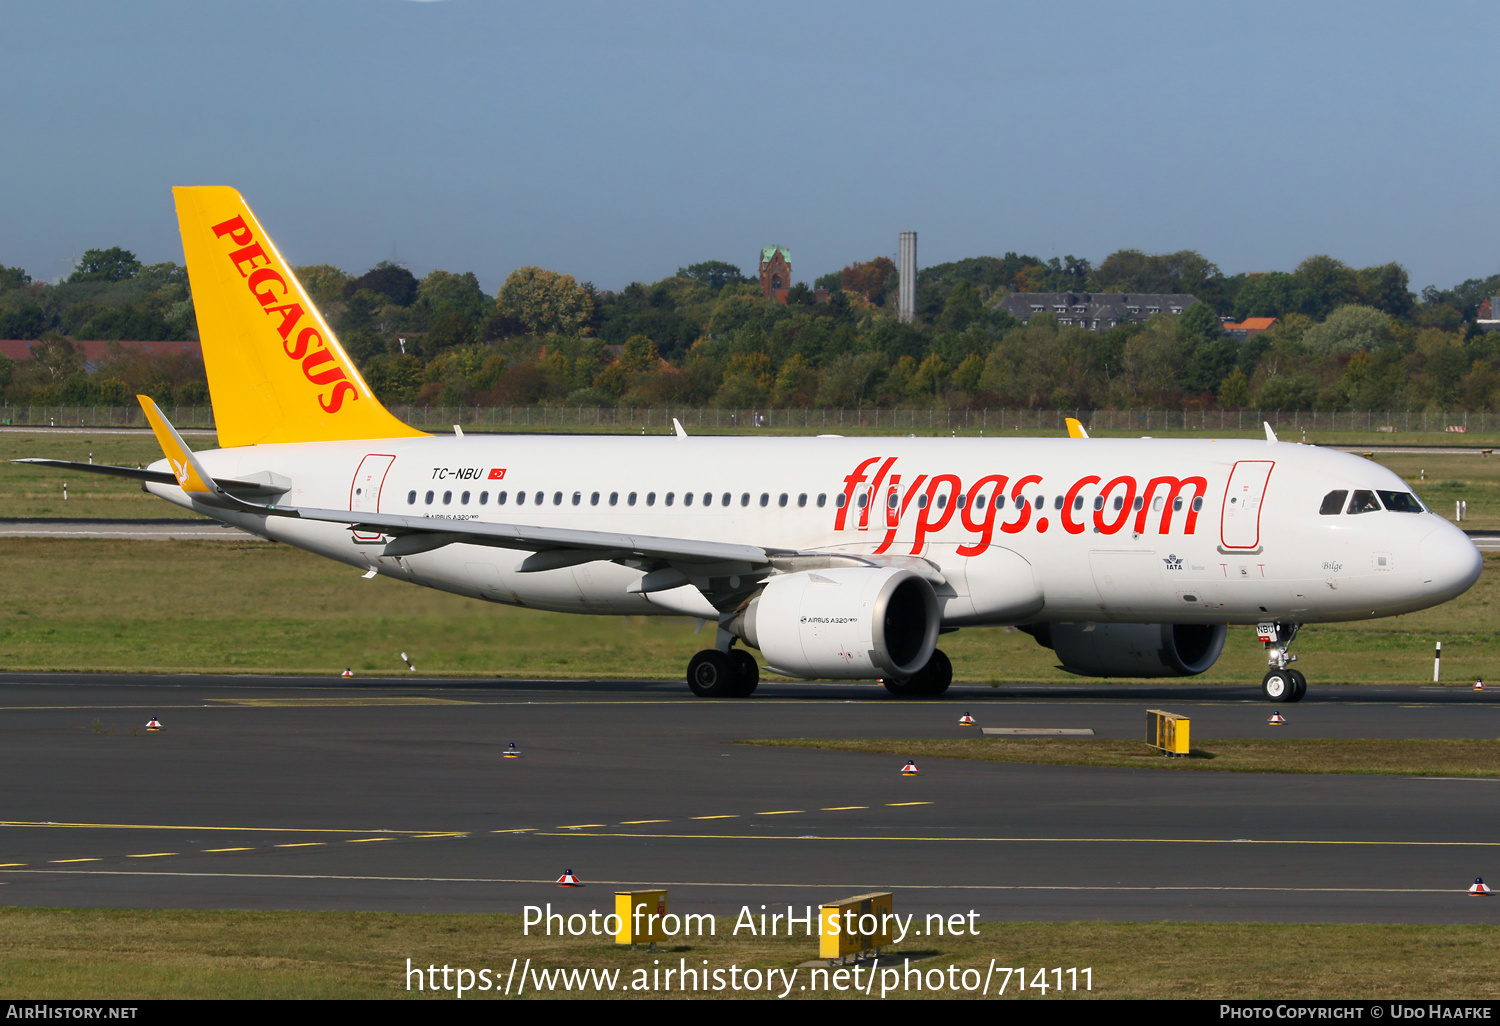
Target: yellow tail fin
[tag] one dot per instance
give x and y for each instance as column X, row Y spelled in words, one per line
column 276, row 372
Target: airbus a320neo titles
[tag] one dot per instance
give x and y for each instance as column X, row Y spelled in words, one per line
column 840, row 558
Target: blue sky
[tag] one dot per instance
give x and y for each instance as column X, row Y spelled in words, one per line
column 618, row 141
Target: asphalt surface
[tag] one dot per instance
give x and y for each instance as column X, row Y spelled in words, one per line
column 393, row 794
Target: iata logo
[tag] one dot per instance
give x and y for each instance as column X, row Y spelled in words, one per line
column 270, row 289
column 1174, row 562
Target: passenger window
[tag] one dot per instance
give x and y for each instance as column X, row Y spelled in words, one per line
column 963, row 500
column 1040, row 501
column 782, row 500
column 687, row 499
column 863, row 498
column 614, row 498
column 1363, row 501
column 891, row 500
column 1177, row 505
column 922, row 501
column 979, row 502
column 765, row 498
column 1333, row 503
column 1078, row 502
column 594, row 499
column 557, row 498
column 464, row 499
column 1197, row 504
column 1000, row 501
column 631, row 500
column 724, row 500
column 1057, row 503
column 429, row 498
column 943, row 501
column 447, row 498
column 802, row 500
column 539, row 498
column 1139, row 502
column 823, row 499
column 670, row 497
column 744, row 498
column 577, row 498
column 520, row 498
column 651, row 498
column 1119, row 502
column 411, row 498
column 500, row 498
column 708, row 499
column 1098, row 502
column 839, row 501
column 1401, row 502
column 484, row 498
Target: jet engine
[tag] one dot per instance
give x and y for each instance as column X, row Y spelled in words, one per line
column 846, row 623
column 1132, row 649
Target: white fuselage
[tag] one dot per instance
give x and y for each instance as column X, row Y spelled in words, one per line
column 1122, row 530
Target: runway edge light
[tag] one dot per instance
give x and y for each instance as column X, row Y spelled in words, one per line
column 568, row 880
column 1480, row 889
column 1479, row 684
column 512, row 752
column 1276, row 719
column 966, row 720
column 910, row 769
column 348, row 672
column 154, row 724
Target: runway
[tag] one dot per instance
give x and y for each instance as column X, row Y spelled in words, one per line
column 393, row 795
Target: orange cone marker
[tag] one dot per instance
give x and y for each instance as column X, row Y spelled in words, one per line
column 512, row 752
column 568, row 880
column 966, row 720
column 1480, row 889
column 1276, row 719
column 155, row 724
column 910, row 769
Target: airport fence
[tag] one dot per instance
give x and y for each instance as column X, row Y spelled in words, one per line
column 929, row 420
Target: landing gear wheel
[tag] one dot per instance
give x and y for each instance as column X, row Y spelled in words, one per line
column 1299, row 683
column 928, row 682
column 712, row 674
column 1278, row 686
column 747, row 672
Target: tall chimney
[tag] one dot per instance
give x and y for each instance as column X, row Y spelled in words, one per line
column 906, row 308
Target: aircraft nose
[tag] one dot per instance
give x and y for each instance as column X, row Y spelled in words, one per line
column 1450, row 562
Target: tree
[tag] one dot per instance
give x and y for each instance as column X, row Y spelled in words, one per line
column 386, row 279
column 714, row 274
column 26, row 321
column 54, row 359
column 323, row 282
column 12, row 278
column 872, row 279
column 1387, row 288
column 445, row 292
column 962, row 309
column 1325, row 283
column 1350, row 328
column 113, row 264
column 545, row 301
column 639, row 355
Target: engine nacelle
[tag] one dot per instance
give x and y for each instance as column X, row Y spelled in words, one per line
column 847, row 623
column 1132, row 649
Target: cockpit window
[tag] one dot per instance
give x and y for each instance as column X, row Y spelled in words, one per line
column 1363, row 502
column 1401, row 502
column 1333, row 503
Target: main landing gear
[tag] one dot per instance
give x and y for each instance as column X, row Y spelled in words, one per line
column 928, row 682
column 715, row 674
column 1281, row 684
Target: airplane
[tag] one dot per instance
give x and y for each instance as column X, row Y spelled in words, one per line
column 836, row 558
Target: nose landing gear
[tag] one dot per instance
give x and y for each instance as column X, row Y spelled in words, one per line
column 1281, row 684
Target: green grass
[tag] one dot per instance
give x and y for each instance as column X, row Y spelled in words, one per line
column 225, row 606
column 140, row 955
column 1389, row 757
column 38, row 491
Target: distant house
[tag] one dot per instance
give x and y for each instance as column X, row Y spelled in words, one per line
column 1485, row 319
column 1249, row 327
column 1095, row 311
column 776, row 274
column 95, row 352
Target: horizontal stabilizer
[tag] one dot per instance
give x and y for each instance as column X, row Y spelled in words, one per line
column 242, row 489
